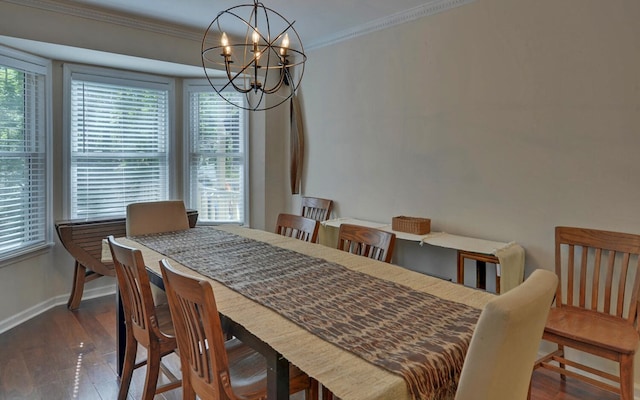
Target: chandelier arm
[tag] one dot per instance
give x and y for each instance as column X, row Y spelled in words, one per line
column 233, row 84
column 276, row 87
column 244, row 68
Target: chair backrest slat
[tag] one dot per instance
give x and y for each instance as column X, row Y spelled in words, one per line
column 595, row 286
column 570, row 274
column 622, row 284
column 609, row 280
column 583, row 276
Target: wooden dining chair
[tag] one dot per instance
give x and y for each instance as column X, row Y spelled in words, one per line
column 365, row 241
column 156, row 217
column 213, row 368
column 298, row 227
column 596, row 305
column 145, row 324
column 504, row 345
column 316, row 208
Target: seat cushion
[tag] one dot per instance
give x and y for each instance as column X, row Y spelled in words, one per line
column 593, row 328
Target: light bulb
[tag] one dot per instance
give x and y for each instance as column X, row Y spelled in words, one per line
column 226, row 49
column 285, row 44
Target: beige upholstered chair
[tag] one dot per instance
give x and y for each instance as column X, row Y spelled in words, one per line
column 504, row 345
column 213, row 368
column 298, row 227
column 146, row 325
column 156, row 217
column 316, row 208
column 365, row 241
column 596, row 305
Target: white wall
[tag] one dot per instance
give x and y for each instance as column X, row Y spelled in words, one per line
column 498, row 119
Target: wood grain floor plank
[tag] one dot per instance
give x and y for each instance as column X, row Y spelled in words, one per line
column 15, row 379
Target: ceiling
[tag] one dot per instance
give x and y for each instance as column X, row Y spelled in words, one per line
column 318, row 22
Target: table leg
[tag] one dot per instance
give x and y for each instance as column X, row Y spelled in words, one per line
column 460, row 267
column 277, row 378
column 277, row 365
column 481, row 274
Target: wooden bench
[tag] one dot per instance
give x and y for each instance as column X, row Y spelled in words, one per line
column 83, row 240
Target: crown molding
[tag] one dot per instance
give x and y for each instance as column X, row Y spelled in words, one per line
column 111, row 17
column 429, row 8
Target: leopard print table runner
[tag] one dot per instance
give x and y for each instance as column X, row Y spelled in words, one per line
column 417, row 335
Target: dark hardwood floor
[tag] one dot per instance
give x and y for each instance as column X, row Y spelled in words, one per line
column 71, row 355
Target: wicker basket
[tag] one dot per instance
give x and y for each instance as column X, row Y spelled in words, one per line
column 417, row 226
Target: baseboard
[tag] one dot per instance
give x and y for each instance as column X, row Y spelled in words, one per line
column 38, row 309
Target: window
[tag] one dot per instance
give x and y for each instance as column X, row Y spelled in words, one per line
column 24, row 154
column 118, row 140
column 216, row 162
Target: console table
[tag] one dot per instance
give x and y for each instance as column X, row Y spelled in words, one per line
column 508, row 257
column 83, row 240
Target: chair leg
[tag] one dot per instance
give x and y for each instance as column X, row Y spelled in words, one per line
column 312, row 391
column 187, row 390
column 626, row 378
column 326, row 394
column 153, row 370
column 561, row 351
column 130, row 352
column 77, row 288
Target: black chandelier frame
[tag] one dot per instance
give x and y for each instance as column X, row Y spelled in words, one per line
column 248, row 64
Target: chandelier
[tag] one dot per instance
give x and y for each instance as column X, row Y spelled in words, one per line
column 258, row 65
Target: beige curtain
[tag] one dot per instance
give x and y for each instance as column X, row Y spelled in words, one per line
column 297, row 145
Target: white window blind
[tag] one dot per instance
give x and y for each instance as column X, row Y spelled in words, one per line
column 23, row 154
column 119, row 145
column 217, row 156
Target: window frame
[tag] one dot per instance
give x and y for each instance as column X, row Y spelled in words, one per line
column 203, row 85
column 23, row 61
column 117, row 77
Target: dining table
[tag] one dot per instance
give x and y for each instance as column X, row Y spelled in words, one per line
column 364, row 329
